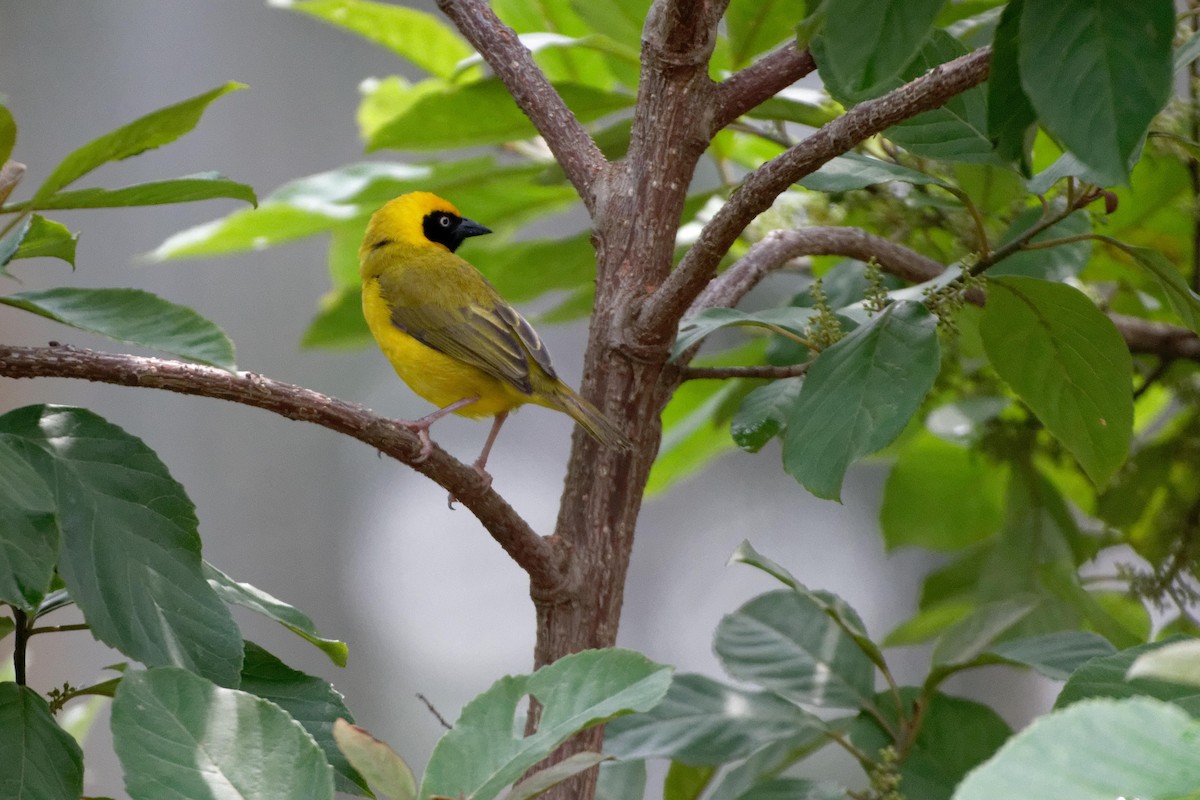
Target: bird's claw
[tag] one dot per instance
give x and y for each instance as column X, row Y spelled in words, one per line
column 484, row 476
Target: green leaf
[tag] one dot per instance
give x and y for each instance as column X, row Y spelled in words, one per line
column 255, row 599
column 1099, row 94
column 685, row 782
column 435, row 121
column 546, row 779
column 957, row 130
column 41, row 760
column 696, row 327
column 1055, row 655
column 29, row 536
column 786, row 643
column 621, row 780
column 130, row 551
column 376, row 761
column 146, row 133
column 312, row 702
column 133, row 316
column 7, row 626
column 175, row 729
column 8, row 133
column 755, row 26
column 1108, row 676
column 339, row 323
column 794, row 789
column 1183, row 300
column 11, row 241
column 1069, row 364
column 927, row 623
column 482, row 754
column 702, row 722
column 620, row 19
column 188, row 189
column 561, row 17
column 764, row 413
column 955, row 736
column 1010, row 116
column 49, row 239
column 941, row 496
column 859, row 394
column 416, row 36
column 1053, row 263
column 1098, row 750
column 1178, row 663
column 966, row 639
column 854, row 171
column 866, row 43
column 760, row 769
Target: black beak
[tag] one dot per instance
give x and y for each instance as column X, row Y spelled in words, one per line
column 468, row 228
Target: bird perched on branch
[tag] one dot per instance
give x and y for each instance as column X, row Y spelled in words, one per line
column 447, row 331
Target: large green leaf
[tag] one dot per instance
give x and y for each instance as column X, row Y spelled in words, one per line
column 1069, row 364
column 969, row 637
column 546, row 779
column 180, row 736
column 1010, row 116
column 705, row 723
column 188, row 189
column 955, row 131
column 956, row 735
column 866, row 43
column 417, row 36
column 696, row 327
column 855, row 171
column 435, row 121
column 786, row 643
column 41, row 760
column 1185, row 302
column 339, row 323
column 46, row 238
column 1108, row 676
column 760, row 769
column 376, row 761
column 941, row 496
column 859, row 394
column 758, row 25
column 312, row 702
column 29, row 536
column 1051, row 263
column 145, row 133
column 482, row 754
column 794, row 789
column 563, row 17
column 133, row 316
column 130, row 551
column 1098, row 750
column 685, row 782
column 255, row 599
column 621, row 780
column 622, row 20
column 1178, row 662
column 1055, row 655
column 1097, row 71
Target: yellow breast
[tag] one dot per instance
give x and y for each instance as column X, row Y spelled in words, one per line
column 437, row 377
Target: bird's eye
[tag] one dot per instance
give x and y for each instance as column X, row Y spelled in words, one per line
column 444, row 221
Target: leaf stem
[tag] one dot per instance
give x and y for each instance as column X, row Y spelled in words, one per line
column 80, row 626
column 20, row 642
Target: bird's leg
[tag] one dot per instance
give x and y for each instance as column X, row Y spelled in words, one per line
column 481, row 462
column 421, row 426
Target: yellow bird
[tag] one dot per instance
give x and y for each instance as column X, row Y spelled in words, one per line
column 447, row 331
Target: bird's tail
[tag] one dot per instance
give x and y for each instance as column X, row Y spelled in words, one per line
column 590, row 418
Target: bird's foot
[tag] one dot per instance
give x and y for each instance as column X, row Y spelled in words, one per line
column 484, row 476
column 421, row 428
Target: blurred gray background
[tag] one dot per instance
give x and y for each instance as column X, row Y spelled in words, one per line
column 425, row 599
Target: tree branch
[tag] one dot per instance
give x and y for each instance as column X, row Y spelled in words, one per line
column 768, row 371
column 535, row 554
column 759, row 82
column 661, row 312
column 779, row 247
column 512, row 62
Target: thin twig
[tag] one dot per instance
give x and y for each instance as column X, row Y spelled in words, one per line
column 759, row 82
column 80, row 626
column 768, row 371
column 434, row 711
column 533, row 553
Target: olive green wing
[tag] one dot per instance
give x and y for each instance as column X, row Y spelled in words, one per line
column 484, row 331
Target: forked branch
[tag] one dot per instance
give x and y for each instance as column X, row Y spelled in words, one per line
column 759, row 82
column 532, row 552
column 662, row 310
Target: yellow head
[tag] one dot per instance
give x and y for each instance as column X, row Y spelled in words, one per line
column 414, row 222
